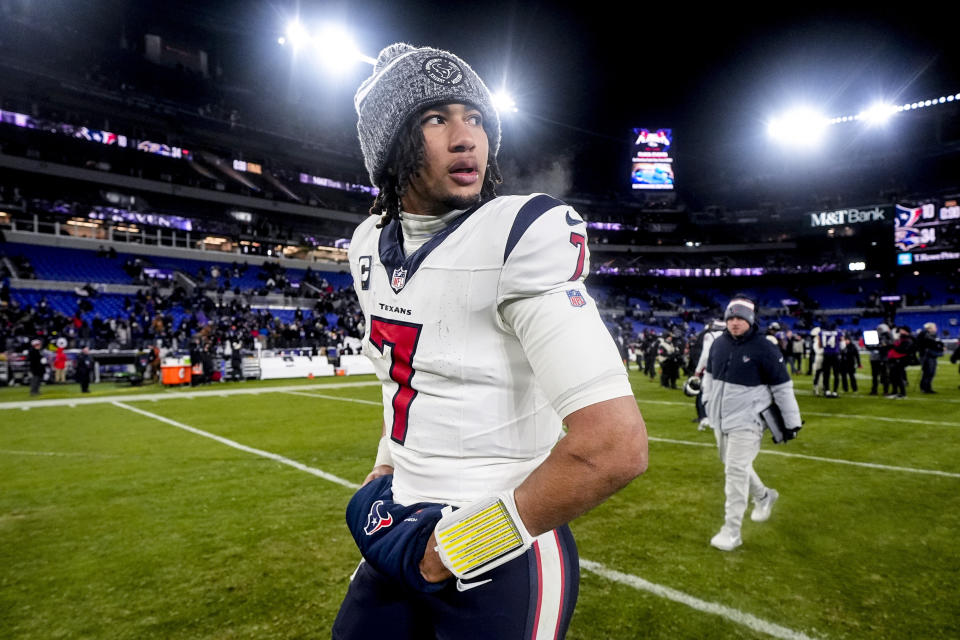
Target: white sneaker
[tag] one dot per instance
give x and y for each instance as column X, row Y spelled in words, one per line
column 704, row 425
column 726, row 541
column 763, row 507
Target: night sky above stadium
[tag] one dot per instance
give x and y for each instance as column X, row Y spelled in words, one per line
column 584, row 73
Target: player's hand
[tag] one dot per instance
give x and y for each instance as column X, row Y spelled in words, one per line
column 431, row 568
column 789, row 434
column 379, row 470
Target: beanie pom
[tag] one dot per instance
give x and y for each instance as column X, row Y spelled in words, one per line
column 389, row 53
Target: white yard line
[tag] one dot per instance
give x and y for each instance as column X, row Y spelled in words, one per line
column 177, row 395
column 735, row 615
column 242, row 447
column 916, row 395
column 858, row 416
column 868, row 465
column 882, row 418
column 787, row 454
column 71, row 454
column 322, row 396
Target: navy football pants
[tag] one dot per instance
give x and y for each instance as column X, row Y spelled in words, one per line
column 529, row 598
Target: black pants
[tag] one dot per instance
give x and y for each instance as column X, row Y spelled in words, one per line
column 650, row 367
column 35, row 380
column 512, row 601
column 928, row 365
column 878, row 374
column 831, row 363
column 898, row 377
column 669, row 373
column 848, row 372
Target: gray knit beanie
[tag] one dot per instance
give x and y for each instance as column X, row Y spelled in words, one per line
column 741, row 307
column 405, row 81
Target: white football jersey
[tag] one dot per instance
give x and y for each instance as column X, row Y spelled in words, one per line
column 483, row 338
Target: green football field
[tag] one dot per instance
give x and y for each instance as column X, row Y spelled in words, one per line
column 218, row 513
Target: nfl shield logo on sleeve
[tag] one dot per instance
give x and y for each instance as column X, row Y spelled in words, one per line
column 399, row 279
column 576, row 298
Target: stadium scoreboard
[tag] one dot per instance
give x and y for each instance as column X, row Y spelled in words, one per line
column 651, row 165
column 928, row 233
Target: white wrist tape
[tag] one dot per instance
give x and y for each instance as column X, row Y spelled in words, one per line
column 481, row 536
column 383, row 453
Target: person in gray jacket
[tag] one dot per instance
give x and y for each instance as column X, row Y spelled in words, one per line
column 745, row 374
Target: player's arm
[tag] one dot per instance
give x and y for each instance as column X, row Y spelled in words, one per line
column 578, row 366
column 383, row 465
column 775, row 375
column 604, row 449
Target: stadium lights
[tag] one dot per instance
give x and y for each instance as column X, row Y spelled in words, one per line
column 503, row 103
column 332, row 45
column 296, row 34
column 878, row 114
column 803, row 127
column 882, row 111
column 335, row 48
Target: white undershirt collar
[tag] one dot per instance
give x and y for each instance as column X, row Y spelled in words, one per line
column 418, row 228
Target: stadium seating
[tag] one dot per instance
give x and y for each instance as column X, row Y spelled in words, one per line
column 104, row 305
column 70, row 265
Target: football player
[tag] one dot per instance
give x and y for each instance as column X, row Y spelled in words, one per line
column 486, row 342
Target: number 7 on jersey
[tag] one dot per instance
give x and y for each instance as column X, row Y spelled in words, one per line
column 402, row 337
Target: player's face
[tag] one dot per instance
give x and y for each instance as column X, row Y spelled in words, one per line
column 737, row 326
column 454, row 162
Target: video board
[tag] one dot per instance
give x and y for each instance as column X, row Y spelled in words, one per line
column 928, row 233
column 651, row 165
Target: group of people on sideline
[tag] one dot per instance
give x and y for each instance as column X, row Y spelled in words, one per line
column 833, row 357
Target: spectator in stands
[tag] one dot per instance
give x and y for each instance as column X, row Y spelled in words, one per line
column 38, row 366
column 929, row 350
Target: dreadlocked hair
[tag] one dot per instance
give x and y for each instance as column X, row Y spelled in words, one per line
column 403, row 163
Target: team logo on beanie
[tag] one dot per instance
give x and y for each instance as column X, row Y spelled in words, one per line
column 443, row 70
